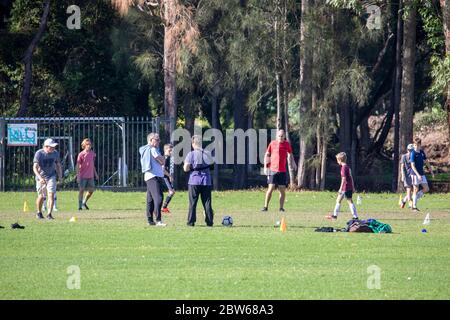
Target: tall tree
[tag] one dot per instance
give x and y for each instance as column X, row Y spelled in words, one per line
column 305, row 92
column 445, row 7
column 396, row 183
column 170, row 61
column 180, row 31
column 408, row 76
column 28, row 78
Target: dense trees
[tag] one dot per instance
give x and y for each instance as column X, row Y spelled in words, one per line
column 323, row 70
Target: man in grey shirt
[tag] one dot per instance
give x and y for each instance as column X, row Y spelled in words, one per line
column 46, row 165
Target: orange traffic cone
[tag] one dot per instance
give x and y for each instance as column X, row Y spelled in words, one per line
column 283, row 226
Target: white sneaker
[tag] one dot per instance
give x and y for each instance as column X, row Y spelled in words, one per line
column 55, row 209
column 160, row 224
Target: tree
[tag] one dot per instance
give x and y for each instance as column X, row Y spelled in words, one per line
column 26, row 91
column 408, row 76
column 445, row 7
column 170, row 60
column 305, row 93
column 179, row 31
column 397, row 84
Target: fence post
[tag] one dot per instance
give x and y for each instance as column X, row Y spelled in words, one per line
column 158, row 123
column 124, row 154
column 2, row 154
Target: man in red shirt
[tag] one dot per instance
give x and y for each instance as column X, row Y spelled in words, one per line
column 278, row 153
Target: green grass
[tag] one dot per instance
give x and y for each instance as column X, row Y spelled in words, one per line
column 120, row 257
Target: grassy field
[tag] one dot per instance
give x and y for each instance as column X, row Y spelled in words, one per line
column 120, row 257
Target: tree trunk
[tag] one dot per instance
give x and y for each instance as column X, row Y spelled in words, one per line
column 277, row 58
column 364, row 135
column 279, row 109
column 319, row 154
column 285, row 81
column 354, row 140
column 445, row 6
column 323, row 163
column 386, row 127
column 189, row 115
column 407, row 91
column 396, row 183
column 170, row 56
column 28, row 78
column 345, row 128
column 305, row 92
column 240, row 122
column 215, row 125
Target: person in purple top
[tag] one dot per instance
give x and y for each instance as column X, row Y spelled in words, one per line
column 198, row 162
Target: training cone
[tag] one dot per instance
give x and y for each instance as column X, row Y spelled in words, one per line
column 283, row 226
column 426, row 221
column 25, row 207
column 73, row 219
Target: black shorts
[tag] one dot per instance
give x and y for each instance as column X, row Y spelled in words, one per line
column 348, row 194
column 277, row 178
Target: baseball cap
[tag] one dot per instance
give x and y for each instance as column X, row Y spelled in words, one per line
column 50, row 143
column 410, row 146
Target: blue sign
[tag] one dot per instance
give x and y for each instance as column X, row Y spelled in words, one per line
column 22, row 134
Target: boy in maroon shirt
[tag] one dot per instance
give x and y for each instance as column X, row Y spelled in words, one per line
column 346, row 188
column 86, row 173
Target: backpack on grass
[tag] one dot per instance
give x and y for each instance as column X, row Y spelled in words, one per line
column 356, row 225
column 369, row 226
column 379, row 227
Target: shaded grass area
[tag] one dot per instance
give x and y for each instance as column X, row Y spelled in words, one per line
column 121, row 258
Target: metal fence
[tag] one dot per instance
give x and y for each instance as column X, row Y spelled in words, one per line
column 115, row 141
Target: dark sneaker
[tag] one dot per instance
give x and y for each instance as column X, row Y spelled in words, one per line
column 264, row 209
column 50, row 217
column 190, row 224
column 85, row 206
column 80, row 208
column 39, row 215
column 415, row 209
column 331, row 217
column 151, row 223
column 281, row 209
column 402, row 204
column 17, row 226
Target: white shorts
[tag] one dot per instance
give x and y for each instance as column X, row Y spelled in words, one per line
column 50, row 186
column 417, row 182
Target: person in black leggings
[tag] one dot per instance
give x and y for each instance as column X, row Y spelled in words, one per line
column 198, row 163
